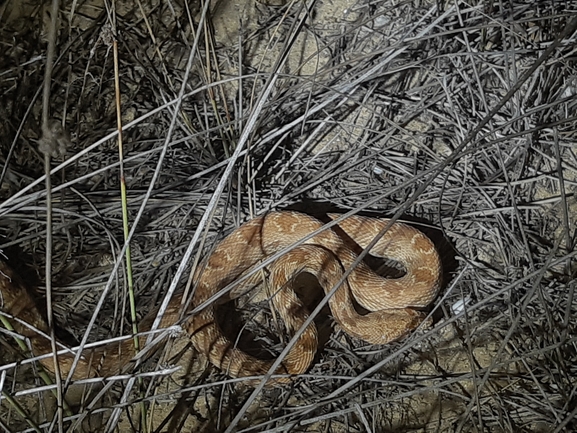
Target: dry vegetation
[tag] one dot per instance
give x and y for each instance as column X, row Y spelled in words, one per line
column 459, row 116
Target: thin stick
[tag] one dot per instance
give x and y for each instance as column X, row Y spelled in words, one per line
column 48, row 150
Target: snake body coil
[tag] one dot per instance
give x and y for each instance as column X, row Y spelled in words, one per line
column 390, row 302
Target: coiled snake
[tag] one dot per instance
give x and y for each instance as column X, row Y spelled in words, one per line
column 327, row 255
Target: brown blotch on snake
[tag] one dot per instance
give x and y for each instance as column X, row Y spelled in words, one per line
column 390, row 303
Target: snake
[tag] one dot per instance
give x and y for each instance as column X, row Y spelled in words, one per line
column 288, row 243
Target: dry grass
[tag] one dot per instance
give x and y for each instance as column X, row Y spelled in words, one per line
column 458, row 116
